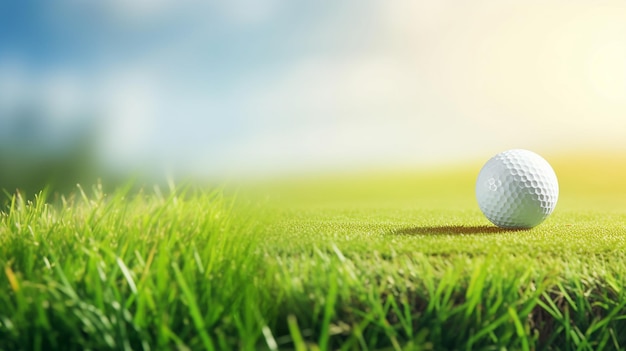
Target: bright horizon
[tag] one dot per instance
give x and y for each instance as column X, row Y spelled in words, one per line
column 268, row 87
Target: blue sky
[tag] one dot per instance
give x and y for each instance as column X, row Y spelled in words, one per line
column 240, row 87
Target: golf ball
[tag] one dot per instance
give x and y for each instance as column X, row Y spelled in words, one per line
column 517, row 189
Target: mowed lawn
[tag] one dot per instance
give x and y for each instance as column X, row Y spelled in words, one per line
column 370, row 260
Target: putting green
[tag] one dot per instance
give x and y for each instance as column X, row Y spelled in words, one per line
column 436, row 211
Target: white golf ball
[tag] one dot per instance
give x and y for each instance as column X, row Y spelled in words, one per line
column 517, row 189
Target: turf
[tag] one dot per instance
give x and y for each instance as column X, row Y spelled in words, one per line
column 386, row 260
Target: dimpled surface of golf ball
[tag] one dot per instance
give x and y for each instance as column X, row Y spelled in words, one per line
column 517, row 189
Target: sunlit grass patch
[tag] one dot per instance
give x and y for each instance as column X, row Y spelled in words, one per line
column 403, row 261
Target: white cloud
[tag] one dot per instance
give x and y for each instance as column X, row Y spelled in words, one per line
column 248, row 12
column 128, row 101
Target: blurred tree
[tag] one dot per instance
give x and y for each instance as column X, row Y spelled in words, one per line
column 35, row 153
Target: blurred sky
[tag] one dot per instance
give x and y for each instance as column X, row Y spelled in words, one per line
column 253, row 87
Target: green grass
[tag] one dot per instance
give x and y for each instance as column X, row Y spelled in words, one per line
column 382, row 261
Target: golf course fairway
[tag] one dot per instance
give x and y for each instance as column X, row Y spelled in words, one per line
column 385, row 260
